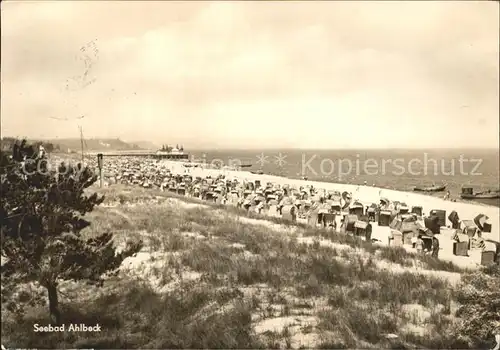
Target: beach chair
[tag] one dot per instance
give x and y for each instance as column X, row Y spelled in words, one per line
column 409, row 217
column 480, row 220
column 363, row 229
column 487, row 258
column 396, row 239
column 396, row 223
column 433, row 224
column 371, row 212
column 403, row 209
column 273, row 210
column 312, row 218
column 427, row 242
column 417, row 210
column 322, row 210
column 384, row 218
column 270, row 197
column 288, row 212
column 329, row 220
column 409, row 236
column 440, row 214
column 468, row 227
column 358, row 211
column 301, row 211
column 349, row 222
column 461, row 243
column 408, row 228
column 477, row 242
column 460, row 248
column 487, row 227
column 335, row 207
column 491, row 246
column 454, row 219
column 495, row 246
column 356, row 208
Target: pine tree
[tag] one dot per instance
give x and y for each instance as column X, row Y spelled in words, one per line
column 41, row 215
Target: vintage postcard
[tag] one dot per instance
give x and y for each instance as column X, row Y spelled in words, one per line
column 250, row 174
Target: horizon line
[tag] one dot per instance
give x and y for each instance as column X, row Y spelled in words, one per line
column 250, row 148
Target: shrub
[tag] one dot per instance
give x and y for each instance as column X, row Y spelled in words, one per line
column 41, row 213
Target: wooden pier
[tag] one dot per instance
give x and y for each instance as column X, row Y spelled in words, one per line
column 141, row 153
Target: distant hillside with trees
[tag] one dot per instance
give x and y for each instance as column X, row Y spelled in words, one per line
column 8, row 143
column 74, row 144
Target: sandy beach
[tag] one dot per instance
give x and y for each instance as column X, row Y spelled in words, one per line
column 364, row 194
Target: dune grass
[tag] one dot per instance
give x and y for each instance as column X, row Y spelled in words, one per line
column 396, row 255
column 220, row 278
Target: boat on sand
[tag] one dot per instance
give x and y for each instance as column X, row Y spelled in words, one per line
column 467, row 193
column 434, row 188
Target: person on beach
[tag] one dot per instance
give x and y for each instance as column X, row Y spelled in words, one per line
column 41, row 152
column 446, row 196
column 414, row 242
column 435, row 247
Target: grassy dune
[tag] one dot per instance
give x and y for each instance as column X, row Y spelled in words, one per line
column 209, row 277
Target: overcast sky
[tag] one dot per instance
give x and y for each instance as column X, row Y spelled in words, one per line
column 266, row 74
